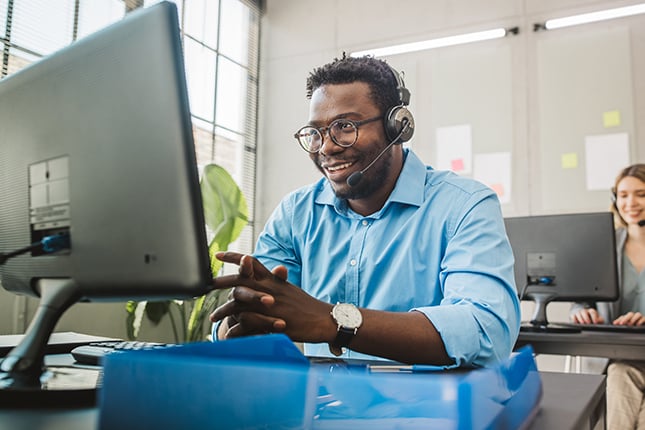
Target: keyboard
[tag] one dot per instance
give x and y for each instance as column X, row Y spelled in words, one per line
column 609, row 327
column 94, row 352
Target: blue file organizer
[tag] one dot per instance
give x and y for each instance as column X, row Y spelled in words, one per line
column 264, row 382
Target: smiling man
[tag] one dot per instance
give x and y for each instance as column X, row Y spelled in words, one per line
column 383, row 256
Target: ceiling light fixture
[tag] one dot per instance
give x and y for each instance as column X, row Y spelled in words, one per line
column 586, row 18
column 437, row 43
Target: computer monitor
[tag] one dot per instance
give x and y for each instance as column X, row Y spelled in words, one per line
column 96, row 143
column 567, row 257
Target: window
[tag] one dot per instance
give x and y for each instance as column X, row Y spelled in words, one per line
column 220, row 41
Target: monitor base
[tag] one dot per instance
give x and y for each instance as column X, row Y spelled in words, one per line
column 26, row 381
column 57, row 387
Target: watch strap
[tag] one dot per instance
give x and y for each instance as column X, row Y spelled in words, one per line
column 344, row 337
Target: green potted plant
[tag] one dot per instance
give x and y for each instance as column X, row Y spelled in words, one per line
column 226, row 215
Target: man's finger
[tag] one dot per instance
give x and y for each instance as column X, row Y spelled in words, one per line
column 246, row 267
column 225, row 281
column 280, row 272
column 253, row 323
column 223, row 311
column 229, row 257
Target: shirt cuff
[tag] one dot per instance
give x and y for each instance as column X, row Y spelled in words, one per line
column 215, row 330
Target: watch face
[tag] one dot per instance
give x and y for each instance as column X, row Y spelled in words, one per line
column 347, row 315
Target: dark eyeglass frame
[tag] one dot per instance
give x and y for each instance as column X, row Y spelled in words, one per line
column 325, row 130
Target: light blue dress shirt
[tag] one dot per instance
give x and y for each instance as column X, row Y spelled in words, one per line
column 437, row 246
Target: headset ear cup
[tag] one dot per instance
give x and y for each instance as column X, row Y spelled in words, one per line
column 395, row 120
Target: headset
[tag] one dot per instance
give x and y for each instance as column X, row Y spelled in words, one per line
column 398, row 125
column 399, row 116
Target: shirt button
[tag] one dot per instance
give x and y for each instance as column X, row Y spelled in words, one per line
column 365, row 222
column 352, row 262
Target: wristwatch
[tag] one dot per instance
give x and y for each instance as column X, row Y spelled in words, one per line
column 349, row 319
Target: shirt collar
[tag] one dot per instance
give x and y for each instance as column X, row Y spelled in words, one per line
column 409, row 188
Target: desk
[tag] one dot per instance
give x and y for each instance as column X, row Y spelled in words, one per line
column 570, row 401
column 626, row 346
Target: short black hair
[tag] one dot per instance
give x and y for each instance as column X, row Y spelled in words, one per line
column 374, row 72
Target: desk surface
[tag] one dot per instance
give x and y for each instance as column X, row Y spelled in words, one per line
column 570, row 401
column 626, row 346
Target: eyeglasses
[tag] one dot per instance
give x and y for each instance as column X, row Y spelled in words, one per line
column 343, row 132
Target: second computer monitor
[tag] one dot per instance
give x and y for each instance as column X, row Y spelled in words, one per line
column 566, row 257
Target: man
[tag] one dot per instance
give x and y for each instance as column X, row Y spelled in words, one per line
column 383, row 257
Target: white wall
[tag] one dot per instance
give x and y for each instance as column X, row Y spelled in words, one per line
column 504, row 88
column 535, row 95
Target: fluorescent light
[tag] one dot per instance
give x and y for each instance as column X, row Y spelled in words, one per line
column 595, row 16
column 435, row 43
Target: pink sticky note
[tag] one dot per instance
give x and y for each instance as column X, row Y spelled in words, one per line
column 457, row 165
column 498, row 188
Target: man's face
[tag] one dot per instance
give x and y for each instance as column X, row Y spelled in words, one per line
column 337, row 163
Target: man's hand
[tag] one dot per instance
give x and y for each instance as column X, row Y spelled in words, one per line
column 262, row 301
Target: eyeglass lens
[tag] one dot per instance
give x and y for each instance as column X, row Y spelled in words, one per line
column 341, row 131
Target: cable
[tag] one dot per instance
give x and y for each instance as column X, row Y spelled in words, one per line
column 55, row 243
column 542, row 280
column 47, row 244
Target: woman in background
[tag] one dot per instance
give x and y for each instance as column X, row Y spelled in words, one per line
column 625, row 379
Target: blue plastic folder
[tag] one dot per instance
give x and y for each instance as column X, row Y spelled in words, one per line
column 264, row 382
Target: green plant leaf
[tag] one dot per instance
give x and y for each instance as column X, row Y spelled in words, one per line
column 225, row 210
column 156, row 310
column 194, row 321
column 130, row 308
column 226, row 215
column 200, row 311
column 134, row 318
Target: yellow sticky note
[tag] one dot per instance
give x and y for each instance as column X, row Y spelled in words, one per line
column 570, row 160
column 611, row 118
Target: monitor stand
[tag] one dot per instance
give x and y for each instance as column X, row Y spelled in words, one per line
column 539, row 322
column 25, row 381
